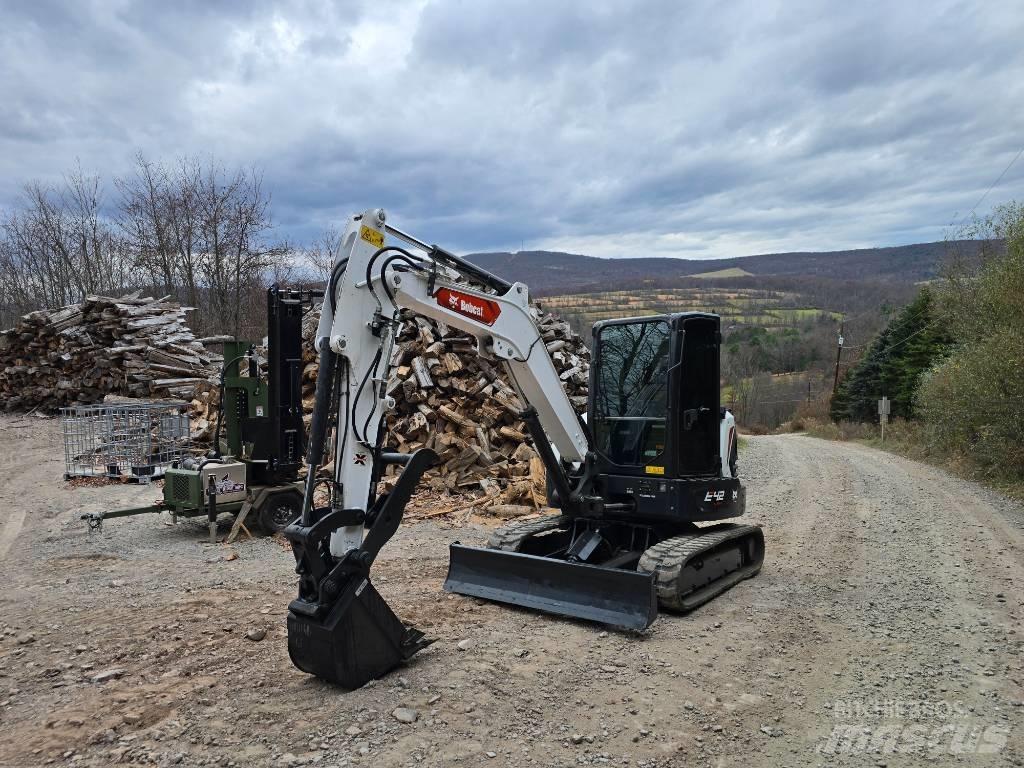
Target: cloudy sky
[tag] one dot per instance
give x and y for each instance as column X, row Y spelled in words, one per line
column 698, row 129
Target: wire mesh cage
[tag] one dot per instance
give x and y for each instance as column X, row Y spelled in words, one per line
column 135, row 440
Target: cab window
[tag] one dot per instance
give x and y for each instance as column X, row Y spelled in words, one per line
column 632, row 392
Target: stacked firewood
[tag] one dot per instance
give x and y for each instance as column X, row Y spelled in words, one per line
column 451, row 400
column 131, row 346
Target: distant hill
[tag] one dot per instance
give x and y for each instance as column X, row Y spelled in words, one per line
column 551, row 272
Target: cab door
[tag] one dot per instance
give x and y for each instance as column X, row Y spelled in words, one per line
column 696, row 392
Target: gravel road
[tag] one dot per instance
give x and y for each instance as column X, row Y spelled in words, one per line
column 885, row 629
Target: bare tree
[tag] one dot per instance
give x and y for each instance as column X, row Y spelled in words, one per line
column 201, row 231
column 60, row 247
column 195, row 230
column 234, row 220
column 321, row 252
column 161, row 219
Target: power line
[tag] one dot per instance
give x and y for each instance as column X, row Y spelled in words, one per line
column 905, row 339
column 991, row 187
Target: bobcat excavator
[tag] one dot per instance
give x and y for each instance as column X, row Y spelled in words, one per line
column 655, row 456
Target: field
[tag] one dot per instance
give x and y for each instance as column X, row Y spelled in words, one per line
column 727, row 272
column 737, row 306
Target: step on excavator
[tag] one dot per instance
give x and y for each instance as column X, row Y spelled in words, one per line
column 642, row 484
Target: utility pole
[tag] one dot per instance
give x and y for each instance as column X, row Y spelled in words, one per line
column 839, row 354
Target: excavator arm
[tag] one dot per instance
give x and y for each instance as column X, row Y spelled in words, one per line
column 360, row 321
column 339, row 627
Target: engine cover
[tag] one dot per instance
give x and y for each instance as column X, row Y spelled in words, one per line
column 187, row 487
column 687, row 500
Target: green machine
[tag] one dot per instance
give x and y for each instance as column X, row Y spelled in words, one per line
column 259, row 439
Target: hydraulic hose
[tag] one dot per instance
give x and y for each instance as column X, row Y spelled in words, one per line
column 332, row 285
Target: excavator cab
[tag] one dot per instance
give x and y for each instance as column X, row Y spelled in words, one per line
column 655, row 414
column 654, row 396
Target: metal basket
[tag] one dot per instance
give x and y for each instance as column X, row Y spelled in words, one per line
column 137, row 440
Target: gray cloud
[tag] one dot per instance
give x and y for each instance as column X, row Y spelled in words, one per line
column 612, row 128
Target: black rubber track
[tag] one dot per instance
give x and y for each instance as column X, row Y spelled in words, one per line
column 667, row 560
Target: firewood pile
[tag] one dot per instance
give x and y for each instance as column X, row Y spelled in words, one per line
column 451, row 400
column 447, row 397
column 131, row 346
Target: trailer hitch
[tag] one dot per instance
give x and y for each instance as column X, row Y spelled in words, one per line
column 94, row 520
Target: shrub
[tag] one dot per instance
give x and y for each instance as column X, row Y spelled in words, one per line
column 972, row 402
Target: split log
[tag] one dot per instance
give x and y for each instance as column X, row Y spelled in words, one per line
column 131, row 346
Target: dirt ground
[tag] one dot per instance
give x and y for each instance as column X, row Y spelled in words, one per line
column 885, row 629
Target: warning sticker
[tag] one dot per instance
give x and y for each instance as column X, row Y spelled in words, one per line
column 372, row 236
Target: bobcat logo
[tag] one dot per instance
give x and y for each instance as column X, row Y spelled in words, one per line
column 360, row 459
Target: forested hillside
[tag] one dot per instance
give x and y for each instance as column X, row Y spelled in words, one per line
column 952, row 362
column 553, row 272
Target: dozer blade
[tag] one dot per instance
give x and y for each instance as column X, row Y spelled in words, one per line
column 607, row 595
column 359, row 640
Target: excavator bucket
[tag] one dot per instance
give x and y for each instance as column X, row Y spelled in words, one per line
column 359, row 640
column 340, row 628
column 607, row 595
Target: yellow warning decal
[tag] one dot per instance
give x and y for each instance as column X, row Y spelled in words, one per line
column 372, row 236
column 655, row 470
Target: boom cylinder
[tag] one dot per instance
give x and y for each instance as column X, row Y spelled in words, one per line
column 318, row 428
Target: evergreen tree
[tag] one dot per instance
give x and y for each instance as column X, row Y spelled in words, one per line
column 892, row 365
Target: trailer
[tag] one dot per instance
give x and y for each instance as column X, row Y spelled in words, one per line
column 252, row 471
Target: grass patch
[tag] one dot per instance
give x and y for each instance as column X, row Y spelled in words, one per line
column 728, row 272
